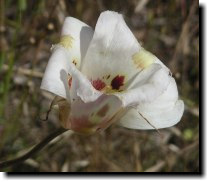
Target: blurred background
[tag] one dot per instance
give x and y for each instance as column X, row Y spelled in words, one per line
column 169, row 29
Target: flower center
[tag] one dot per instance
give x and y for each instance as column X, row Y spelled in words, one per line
column 115, row 85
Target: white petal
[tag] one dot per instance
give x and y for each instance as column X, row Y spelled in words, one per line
column 165, row 111
column 152, row 82
column 161, row 63
column 111, row 50
column 90, row 117
column 81, row 35
column 54, row 81
column 141, row 78
column 55, row 76
column 81, row 87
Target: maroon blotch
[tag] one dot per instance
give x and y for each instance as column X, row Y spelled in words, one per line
column 98, row 84
column 117, row 82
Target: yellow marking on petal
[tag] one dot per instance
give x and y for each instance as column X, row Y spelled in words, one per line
column 108, row 90
column 66, row 41
column 143, row 58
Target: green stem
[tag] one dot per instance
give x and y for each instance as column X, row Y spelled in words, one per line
column 34, row 150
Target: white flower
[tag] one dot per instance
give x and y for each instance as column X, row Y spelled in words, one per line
column 105, row 76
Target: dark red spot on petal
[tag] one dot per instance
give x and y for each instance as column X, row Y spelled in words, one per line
column 102, row 112
column 117, row 82
column 98, row 84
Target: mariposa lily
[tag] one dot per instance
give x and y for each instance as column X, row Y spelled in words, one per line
column 105, row 76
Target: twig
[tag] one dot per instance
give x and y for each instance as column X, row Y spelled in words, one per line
column 160, row 164
column 140, row 5
column 157, row 167
column 194, row 111
column 180, row 43
column 189, row 148
column 34, row 150
column 24, row 71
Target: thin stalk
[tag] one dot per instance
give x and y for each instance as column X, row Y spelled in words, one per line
column 34, row 150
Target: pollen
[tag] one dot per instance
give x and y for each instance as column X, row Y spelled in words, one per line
column 66, row 41
column 143, row 59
